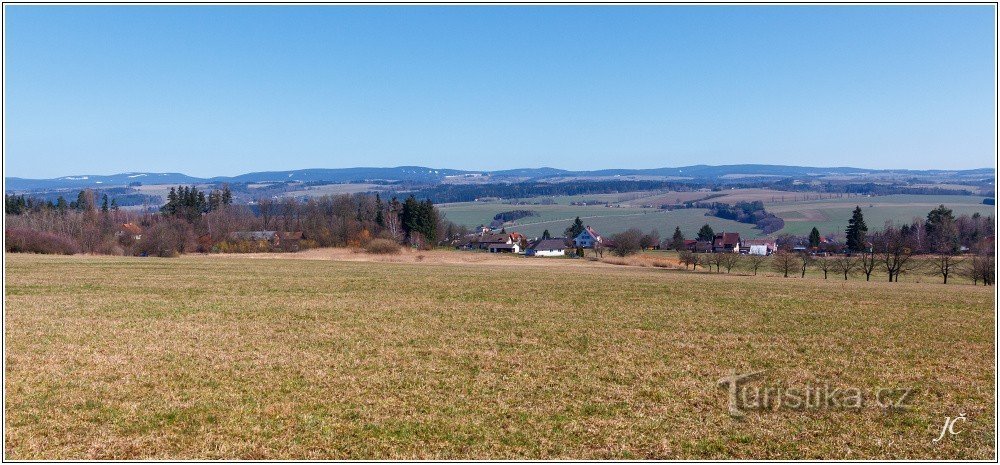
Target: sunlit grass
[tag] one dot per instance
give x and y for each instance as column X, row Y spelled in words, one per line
column 231, row 357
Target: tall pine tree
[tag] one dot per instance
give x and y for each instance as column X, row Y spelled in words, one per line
column 677, row 241
column 814, row 238
column 856, row 230
column 574, row 229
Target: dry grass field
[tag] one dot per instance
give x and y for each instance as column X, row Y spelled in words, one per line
column 256, row 357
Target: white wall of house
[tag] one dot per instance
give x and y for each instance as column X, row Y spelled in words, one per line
column 550, row 253
column 758, row 250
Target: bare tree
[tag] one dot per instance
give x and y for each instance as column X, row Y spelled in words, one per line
column 894, row 249
column 267, row 208
column 868, row 262
column 804, row 261
column 785, row 262
column 599, row 249
column 688, row 258
column 845, row 264
column 717, row 259
column 754, row 262
column 982, row 266
column 730, row 260
column 945, row 265
column 824, row 264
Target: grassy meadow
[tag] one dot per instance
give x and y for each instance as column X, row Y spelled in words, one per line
column 829, row 215
column 261, row 358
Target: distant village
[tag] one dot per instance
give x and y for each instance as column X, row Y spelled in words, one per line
column 589, row 239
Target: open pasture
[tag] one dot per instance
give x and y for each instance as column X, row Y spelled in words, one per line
column 831, row 215
column 233, row 357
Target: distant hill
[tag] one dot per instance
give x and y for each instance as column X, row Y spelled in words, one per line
column 422, row 174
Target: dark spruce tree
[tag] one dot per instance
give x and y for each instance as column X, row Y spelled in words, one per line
column 574, row 229
column 814, row 238
column 677, row 242
column 706, row 233
column 856, row 230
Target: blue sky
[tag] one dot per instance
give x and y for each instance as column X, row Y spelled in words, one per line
column 224, row 90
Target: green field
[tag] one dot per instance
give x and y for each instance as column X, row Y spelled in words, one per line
column 257, row 358
column 828, row 215
column 606, row 220
column 831, row 215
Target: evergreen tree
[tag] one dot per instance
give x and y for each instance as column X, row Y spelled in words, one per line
column 677, row 242
column 574, row 229
column 856, row 230
column 546, row 235
column 104, row 203
column 706, row 233
column 81, row 201
column 379, row 216
column 814, row 238
column 61, row 204
column 171, row 205
column 227, row 195
column 114, row 205
column 942, row 233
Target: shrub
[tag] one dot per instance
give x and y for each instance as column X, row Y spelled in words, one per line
column 382, row 247
column 109, row 247
column 626, row 243
column 32, row 241
column 167, row 238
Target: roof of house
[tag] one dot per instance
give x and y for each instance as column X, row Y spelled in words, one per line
column 767, row 242
column 131, row 228
column 591, row 231
column 501, row 246
column 726, row 239
column 491, row 238
column 556, row 243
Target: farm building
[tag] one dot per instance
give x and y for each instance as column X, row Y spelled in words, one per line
column 726, row 242
column 555, row 247
column 759, row 246
column 504, row 248
column 587, row 238
column 496, row 243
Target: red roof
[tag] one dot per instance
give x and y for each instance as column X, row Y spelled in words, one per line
column 727, row 239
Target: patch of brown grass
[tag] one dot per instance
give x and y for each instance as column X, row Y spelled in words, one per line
column 262, row 358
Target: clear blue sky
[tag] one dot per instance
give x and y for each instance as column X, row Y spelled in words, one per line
column 226, row 90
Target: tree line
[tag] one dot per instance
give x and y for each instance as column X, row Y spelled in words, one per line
column 194, row 220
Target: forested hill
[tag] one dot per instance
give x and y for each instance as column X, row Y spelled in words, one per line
column 420, row 174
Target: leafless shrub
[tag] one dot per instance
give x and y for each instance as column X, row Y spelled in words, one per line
column 382, row 247
column 33, row 241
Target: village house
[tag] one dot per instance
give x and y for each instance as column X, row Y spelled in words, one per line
column 759, row 246
column 703, row 246
column 498, row 242
column 555, row 247
column 129, row 230
column 726, row 243
column 587, row 238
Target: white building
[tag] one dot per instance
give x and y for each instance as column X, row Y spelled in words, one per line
column 587, row 238
column 555, row 247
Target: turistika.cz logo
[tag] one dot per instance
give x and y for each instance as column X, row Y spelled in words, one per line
column 743, row 396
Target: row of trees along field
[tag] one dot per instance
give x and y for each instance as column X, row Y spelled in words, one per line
column 193, row 220
column 940, row 244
